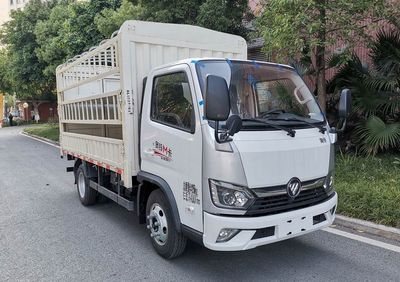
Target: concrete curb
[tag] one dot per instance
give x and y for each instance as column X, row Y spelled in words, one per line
column 387, row 232
column 41, row 138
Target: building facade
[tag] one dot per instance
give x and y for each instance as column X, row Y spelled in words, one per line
column 6, row 6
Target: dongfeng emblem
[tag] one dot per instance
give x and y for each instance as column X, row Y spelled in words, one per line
column 293, row 187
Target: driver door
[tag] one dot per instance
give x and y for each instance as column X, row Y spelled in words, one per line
column 171, row 139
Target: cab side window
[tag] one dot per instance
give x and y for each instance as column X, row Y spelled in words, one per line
column 171, row 102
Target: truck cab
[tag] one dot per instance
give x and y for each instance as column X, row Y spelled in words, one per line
column 228, row 152
column 271, row 180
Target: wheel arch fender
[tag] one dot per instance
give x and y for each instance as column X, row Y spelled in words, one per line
column 165, row 188
column 88, row 169
column 77, row 164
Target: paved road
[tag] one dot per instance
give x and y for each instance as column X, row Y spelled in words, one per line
column 47, row 235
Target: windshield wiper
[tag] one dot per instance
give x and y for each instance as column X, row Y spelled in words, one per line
column 321, row 128
column 290, row 132
column 272, row 112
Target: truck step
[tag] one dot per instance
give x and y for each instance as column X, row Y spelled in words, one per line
column 129, row 205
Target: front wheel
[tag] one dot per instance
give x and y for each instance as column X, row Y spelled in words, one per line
column 166, row 240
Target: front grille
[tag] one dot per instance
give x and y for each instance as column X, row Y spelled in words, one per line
column 283, row 203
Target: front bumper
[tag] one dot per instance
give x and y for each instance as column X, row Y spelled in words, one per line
column 287, row 225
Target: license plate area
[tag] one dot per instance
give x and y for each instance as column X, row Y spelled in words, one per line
column 295, row 226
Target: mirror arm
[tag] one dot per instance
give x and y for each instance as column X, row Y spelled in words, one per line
column 216, row 133
column 225, row 136
column 341, row 129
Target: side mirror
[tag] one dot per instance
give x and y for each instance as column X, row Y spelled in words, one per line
column 344, row 108
column 345, row 103
column 217, row 104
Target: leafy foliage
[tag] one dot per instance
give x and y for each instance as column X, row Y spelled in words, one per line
column 41, row 36
column 178, row 11
column 5, row 79
column 50, row 37
column 376, row 94
column 223, row 15
column 68, row 31
column 46, row 33
column 386, row 58
column 24, row 67
column 307, row 27
column 109, row 20
column 374, row 134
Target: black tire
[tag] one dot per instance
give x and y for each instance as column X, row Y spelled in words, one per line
column 175, row 242
column 87, row 195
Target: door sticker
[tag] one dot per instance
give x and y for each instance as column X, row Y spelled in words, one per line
column 162, row 151
column 190, row 193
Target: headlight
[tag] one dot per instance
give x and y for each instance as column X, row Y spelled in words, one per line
column 329, row 183
column 227, row 195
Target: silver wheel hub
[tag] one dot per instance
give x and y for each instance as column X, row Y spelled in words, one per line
column 157, row 224
column 81, row 184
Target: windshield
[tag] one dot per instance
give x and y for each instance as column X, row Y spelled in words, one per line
column 259, row 90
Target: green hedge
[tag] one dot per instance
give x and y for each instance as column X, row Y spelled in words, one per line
column 49, row 131
column 369, row 188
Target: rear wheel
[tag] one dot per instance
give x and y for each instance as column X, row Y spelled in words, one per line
column 87, row 195
column 166, row 240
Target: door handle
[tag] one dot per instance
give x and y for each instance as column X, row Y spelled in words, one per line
column 148, row 152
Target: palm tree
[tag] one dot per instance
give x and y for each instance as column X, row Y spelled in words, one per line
column 376, row 93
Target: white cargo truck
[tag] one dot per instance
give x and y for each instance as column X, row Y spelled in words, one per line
column 174, row 123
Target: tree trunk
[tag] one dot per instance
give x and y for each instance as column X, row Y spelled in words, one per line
column 320, row 57
column 320, row 76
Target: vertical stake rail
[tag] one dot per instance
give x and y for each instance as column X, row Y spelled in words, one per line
column 82, row 111
column 77, row 111
column 93, row 64
column 74, row 111
column 115, row 108
column 102, row 109
column 112, row 57
column 62, row 107
column 87, row 110
column 98, row 63
column 91, row 109
column 108, row 108
column 120, row 106
column 97, row 109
